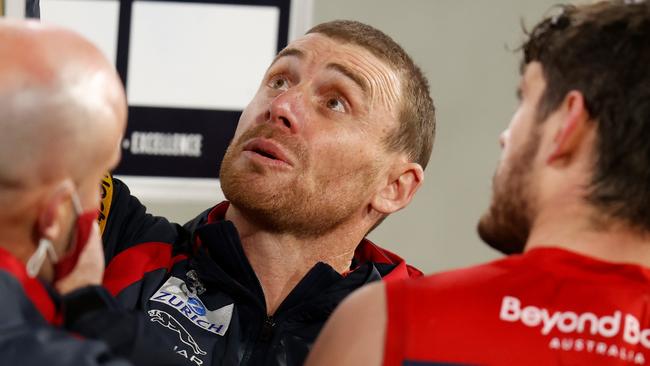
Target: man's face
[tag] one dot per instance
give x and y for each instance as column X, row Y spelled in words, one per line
column 507, row 223
column 308, row 152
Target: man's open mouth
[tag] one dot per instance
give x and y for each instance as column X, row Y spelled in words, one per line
column 268, row 149
column 265, row 153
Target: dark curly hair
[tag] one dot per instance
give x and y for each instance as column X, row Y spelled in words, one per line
column 602, row 50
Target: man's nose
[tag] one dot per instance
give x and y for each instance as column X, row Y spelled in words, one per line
column 285, row 110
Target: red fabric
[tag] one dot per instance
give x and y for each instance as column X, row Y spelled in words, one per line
column 218, row 213
column 83, row 227
column 33, row 288
column 367, row 251
column 394, row 341
column 130, row 265
column 545, row 307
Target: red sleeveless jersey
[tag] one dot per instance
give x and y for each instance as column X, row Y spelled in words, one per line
column 545, row 307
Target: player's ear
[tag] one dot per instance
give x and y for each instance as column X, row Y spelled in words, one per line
column 403, row 181
column 53, row 208
column 574, row 122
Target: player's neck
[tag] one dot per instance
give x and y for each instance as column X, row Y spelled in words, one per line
column 280, row 261
column 575, row 227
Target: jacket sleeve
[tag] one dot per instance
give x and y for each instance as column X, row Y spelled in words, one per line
column 27, row 339
column 46, row 345
column 93, row 313
column 125, row 223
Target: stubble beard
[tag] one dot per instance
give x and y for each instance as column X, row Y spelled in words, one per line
column 507, row 224
column 287, row 203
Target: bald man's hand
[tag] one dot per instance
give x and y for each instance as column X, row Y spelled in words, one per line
column 89, row 270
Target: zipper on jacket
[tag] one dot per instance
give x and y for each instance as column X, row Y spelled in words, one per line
column 266, row 334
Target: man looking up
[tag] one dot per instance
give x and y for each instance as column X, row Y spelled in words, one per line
column 572, row 191
column 335, row 139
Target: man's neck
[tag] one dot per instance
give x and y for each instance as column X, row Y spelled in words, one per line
column 574, row 227
column 280, row 261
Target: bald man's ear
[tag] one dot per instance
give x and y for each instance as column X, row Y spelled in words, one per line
column 405, row 179
column 574, row 123
column 53, row 210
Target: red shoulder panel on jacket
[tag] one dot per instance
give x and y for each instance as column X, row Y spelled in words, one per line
column 131, row 265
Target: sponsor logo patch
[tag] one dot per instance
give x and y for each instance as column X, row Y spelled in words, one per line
column 176, row 294
column 616, row 335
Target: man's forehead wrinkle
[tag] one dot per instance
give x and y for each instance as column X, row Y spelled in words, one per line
column 390, row 90
column 383, row 83
column 351, row 74
column 380, row 78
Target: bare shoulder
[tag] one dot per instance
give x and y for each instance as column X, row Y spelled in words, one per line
column 354, row 334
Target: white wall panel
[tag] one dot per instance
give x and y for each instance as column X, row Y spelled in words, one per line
column 97, row 20
column 208, row 56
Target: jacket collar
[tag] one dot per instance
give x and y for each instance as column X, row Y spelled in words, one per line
column 392, row 266
column 220, row 260
column 36, row 291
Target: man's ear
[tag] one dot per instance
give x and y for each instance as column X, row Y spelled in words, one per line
column 572, row 128
column 405, row 179
column 54, row 206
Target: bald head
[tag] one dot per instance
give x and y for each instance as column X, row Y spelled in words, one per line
column 62, row 106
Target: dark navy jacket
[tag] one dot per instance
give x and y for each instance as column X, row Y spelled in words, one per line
column 197, row 285
column 38, row 327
